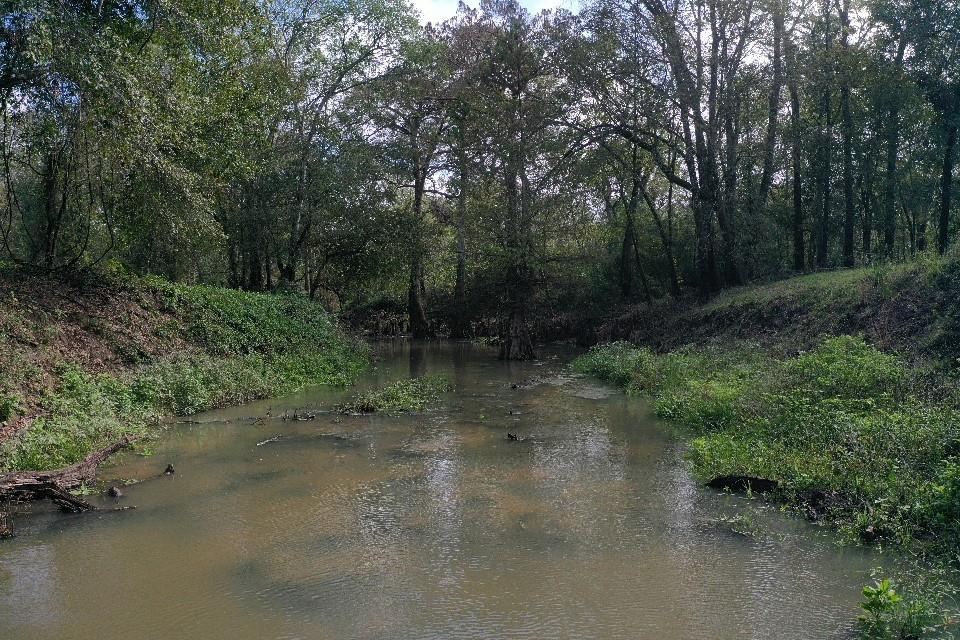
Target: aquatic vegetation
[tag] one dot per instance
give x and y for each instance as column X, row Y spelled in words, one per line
column 413, row 394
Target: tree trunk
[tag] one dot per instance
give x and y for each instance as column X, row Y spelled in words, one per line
column 416, row 309
column 866, row 203
column 890, row 177
column 849, row 216
column 890, row 183
column 946, row 189
column 631, row 250
column 516, row 342
column 799, row 251
column 254, row 272
column 647, row 297
column 666, row 238
column 733, row 274
column 626, row 257
column 458, row 324
column 824, row 182
column 419, row 325
column 773, row 110
column 38, row 484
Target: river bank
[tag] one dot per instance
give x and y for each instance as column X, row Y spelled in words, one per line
column 428, row 524
column 86, row 363
column 856, row 432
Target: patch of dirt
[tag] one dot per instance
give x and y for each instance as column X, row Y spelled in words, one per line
column 101, row 328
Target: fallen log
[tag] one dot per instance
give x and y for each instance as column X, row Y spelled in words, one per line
column 65, row 500
column 55, row 484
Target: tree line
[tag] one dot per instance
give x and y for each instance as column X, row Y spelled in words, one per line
column 498, row 165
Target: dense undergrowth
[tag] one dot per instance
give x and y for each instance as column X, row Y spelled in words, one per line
column 855, row 437
column 209, row 347
column 848, row 431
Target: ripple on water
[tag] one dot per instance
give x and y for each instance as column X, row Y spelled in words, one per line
column 430, row 525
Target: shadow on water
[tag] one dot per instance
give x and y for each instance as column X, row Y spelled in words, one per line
column 430, row 525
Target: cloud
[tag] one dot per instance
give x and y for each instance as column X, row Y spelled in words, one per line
column 437, row 11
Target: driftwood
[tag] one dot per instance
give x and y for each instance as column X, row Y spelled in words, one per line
column 54, row 485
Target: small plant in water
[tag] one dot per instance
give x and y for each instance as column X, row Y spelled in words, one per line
column 888, row 615
column 744, row 524
column 415, row 394
column 84, row 490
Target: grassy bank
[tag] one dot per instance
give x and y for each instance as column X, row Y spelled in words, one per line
column 855, row 438
column 861, row 432
column 912, row 308
column 82, row 365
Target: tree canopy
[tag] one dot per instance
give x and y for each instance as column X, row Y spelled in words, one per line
column 483, row 173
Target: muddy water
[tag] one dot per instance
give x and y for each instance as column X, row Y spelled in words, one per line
column 427, row 526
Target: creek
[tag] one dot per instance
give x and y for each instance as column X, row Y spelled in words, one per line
column 428, row 525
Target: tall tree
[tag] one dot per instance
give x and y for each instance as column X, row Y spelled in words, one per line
column 414, row 108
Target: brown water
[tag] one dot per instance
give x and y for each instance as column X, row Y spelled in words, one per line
column 427, row 526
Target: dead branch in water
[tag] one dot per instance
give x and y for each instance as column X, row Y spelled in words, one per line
column 36, row 485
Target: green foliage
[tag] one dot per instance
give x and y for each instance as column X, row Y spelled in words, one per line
column 11, row 404
column 845, row 422
column 249, row 346
column 231, row 322
column 846, row 367
column 83, row 413
column 617, row 362
column 841, row 419
column 414, row 394
column 88, row 412
column 888, row 615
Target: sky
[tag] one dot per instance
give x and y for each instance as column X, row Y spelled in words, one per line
column 439, row 10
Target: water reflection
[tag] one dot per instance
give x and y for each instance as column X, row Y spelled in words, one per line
column 418, row 359
column 431, row 525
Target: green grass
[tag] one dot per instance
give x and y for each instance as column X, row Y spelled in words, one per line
column 844, row 286
column 230, row 322
column 246, row 346
column 852, row 434
column 844, row 419
column 414, row 394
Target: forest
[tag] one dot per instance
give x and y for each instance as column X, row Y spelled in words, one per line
column 472, row 175
column 319, row 277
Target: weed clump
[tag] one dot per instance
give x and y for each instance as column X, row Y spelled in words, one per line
column 414, row 394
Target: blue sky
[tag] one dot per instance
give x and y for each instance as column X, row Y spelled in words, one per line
column 440, row 10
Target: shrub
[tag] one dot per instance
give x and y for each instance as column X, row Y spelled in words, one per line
column 846, row 367
column 251, row 346
column 617, row 362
